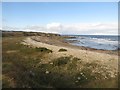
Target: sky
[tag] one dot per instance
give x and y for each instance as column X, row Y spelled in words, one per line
column 94, row 18
column 60, row 0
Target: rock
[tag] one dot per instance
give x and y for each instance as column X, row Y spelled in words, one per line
column 32, row 74
column 76, row 81
column 47, row 72
column 51, row 63
column 78, row 78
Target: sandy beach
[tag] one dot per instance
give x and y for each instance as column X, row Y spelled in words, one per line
column 60, row 45
column 48, row 60
column 87, row 56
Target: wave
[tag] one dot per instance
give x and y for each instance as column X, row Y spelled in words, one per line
column 97, row 42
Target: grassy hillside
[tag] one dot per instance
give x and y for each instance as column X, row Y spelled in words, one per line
column 21, row 33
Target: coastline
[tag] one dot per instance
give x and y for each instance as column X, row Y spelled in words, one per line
column 50, row 56
column 87, row 54
column 61, row 41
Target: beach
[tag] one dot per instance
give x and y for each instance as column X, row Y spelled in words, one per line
column 87, row 56
column 60, row 45
column 45, row 60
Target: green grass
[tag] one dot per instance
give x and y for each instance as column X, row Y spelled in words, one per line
column 23, row 68
column 61, row 61
column 62, row 50
column 73, row 64
column 18, row 64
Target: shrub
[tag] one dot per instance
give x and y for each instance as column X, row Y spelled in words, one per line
column 43, row 49
column 61, row 61
column 73, row 64
column 62, row 50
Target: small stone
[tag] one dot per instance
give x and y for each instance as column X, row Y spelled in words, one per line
column 76, row 81
column 78, row 78
column 47, row 72
column 81, row 73
column 31, row 73
column 51, row 63
column 29, row 87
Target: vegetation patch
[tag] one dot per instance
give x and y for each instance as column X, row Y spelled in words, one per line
column 73, row 63
column 62, row 50
column 43, row 49
column 61, row 61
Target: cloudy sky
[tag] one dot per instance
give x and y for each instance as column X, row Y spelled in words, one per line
column 94, row 18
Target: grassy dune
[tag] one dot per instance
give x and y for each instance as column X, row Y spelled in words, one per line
column 23, row 67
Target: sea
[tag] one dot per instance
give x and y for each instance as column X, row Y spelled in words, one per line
column 104, row 42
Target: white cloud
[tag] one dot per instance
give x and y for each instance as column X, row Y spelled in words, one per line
column 53, row 25
column 76, row 28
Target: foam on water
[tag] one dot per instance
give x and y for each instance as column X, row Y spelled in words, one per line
column 101, row 42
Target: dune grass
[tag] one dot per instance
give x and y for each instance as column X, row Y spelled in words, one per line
column 62, row 50
column 43, row 49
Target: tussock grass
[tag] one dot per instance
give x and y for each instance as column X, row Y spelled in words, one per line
column 62, row 50
column 61, row 61
column 43, row 49
column 72, row 65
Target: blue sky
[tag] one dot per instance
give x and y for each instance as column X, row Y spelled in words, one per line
column 60, row 0
column 22, row 14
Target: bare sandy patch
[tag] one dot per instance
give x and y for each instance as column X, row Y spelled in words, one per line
column 11, row 51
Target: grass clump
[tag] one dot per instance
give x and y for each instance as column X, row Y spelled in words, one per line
column 73, row 64
column 61, row 61
column 43, row 49
column 62, row 50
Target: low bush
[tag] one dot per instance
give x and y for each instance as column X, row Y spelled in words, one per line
column 62, row 50
column 43, row 49
column 61, row 61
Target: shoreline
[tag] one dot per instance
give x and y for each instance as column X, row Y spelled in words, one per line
column 55, row 39
column 73, row 39
column 86, row 55
column 60, row 41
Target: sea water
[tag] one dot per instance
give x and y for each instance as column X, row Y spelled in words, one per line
column 105, row 42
